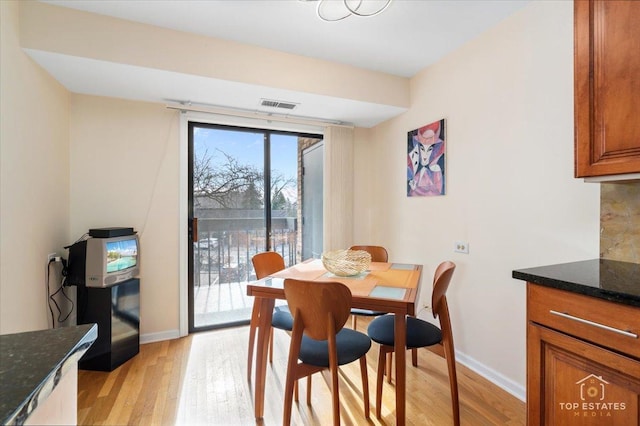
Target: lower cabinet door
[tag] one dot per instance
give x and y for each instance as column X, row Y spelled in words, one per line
column 572, row 382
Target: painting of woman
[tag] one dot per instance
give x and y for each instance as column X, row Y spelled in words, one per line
column 425, row 160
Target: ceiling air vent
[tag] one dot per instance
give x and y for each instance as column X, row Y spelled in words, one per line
column 277, row 104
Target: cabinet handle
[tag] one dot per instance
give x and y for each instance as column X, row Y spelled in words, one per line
column 595, row 324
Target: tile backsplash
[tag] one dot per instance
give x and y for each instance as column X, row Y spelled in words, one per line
column 620, row 221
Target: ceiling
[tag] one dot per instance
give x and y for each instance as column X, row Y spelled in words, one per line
column 406, row 38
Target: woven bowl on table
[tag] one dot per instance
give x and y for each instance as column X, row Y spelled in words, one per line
column 346, row 263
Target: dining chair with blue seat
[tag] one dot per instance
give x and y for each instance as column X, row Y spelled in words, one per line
column 378, row 254
column 319, row 341
column 421, row 334
column 265, row 264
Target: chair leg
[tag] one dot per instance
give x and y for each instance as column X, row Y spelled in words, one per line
column 365, row 385
column 309, row 389
column 354, row 322
column 335, row 396
column 389, row 368
column 453, row 380
column 253, row 325
column 288, row 397
column 379, row 380
column 292, row 372
column 271, row 346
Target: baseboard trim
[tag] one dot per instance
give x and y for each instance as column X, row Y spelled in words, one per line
column 160, row 336
column 493, row 376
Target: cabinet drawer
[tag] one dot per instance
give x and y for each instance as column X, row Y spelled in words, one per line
column 608, row 324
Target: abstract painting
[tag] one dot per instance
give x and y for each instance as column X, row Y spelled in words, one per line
column 425, row 160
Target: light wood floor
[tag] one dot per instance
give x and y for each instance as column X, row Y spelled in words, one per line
column 201, row 380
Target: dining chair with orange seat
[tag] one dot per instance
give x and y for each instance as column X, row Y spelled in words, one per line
column 421, row 334
column 319, row 341
column 265, row 264
column 378, row 254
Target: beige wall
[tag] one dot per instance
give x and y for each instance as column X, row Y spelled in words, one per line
column 507, row 97
column 34, row 179
column 125, row 172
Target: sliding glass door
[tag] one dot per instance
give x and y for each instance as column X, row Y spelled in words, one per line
column 243, row 199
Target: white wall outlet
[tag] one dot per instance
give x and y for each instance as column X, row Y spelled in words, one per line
column 461, row 247
column 51, row 256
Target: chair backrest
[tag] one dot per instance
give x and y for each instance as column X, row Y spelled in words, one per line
column 320, row 305
column 441, row 280
column 378, row 253
column 267, row 263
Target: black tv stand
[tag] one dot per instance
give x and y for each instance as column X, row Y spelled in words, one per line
column 116, row 310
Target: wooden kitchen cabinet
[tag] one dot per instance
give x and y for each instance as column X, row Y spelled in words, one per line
column 579, row 372
column 607, row 87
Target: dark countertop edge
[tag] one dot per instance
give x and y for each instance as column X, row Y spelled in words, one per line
column 625, row 299
column 43, row 389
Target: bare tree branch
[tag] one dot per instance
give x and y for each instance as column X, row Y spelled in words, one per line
column 225, row 181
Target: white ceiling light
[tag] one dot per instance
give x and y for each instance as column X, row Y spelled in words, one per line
column 336, row 10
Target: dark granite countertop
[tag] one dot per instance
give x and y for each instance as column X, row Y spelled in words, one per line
column 32, row 364
column 605, row 279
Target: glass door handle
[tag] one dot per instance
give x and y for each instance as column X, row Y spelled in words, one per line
column 194, row 229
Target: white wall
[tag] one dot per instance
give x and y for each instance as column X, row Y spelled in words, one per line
column 34, row 179
column 125, row 172
column 507, row 97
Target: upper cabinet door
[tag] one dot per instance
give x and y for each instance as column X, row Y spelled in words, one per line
column 607, row 87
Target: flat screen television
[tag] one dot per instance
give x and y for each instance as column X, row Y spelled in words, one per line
column 103, row 262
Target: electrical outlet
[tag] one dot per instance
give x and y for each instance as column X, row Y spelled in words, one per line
column 51, row 256
column 461, row 247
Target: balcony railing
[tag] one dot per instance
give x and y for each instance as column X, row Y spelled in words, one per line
column 224, row 256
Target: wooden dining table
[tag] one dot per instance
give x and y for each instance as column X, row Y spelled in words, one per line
column 387, row 287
